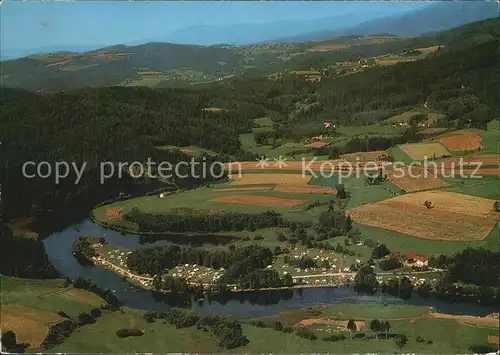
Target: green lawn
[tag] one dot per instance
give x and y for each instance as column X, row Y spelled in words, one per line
column 47, row 295
column 101, row 337
column 406, row 244
column 249, row 144
column 494, row 125
column 371, row 311
column 264, row 121
column 190, row 149
column 447, row 337
column 487, row 187
column 490, row 142
column 399, row 155
column 375, row 129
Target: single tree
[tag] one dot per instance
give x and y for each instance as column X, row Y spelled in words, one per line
column 385, row 326
column 401, row 340
column 351, row 325
column 9, row 340
column 376, row 327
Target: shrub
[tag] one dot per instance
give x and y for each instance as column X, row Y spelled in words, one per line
column 281, row 237
column 63, row 314
column 125, row 332
column 278, row 326
column 334, row 338
column 287, row 329
column 181, row 317
column 95, row 313
column 306, row 334
column 227, row 330
column 259, row 324
column 85, row 318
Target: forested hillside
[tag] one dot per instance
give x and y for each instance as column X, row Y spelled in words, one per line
column 174, row 65
column 120, row 124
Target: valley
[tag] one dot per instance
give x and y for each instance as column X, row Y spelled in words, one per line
column 327, row 190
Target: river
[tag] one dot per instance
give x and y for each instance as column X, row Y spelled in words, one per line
column 240, row 305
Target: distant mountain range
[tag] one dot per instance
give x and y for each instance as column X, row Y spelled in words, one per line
column 433, row 17
column 169, row 64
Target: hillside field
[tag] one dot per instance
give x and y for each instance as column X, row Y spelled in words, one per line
column 29, row 307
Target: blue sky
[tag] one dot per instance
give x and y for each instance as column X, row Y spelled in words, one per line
column 36, row 25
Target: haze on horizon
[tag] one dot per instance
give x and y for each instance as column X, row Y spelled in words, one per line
column 35, row 26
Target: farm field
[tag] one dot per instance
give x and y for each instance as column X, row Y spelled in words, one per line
column 420, row 151
column 415, row 178
column 29, row 307
column 247, row 188
column 453, row 217
column 462, row 142
column 400, row 155
column 259, row 200
column 363, row 156
column 304, row 189
column 484, row 160
column 258, row 179
column 486, row 188
column 328, row 166
column 316, row 145
column 405, row 243
column 203, row 198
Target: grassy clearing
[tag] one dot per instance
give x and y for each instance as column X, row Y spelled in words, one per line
column 249, row 144
column 47, row 295
column 494, row 125
column 29, row 307
column 371, row 311
column 407, row 244
column 399, row 155
column 486, row 187
column 101, row 337
column 374, row 129
column 264, row 121
column 192, row 150
column 447, row 337
column 490, row 141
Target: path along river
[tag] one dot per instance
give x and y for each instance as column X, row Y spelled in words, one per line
column 240, row 305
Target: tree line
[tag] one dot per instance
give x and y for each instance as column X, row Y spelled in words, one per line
column 183, row 220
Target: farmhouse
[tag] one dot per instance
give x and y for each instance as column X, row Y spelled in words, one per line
column 416, row 259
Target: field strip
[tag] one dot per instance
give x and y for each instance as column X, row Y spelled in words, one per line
column 483, row 322
column 307, row 189
column 27, row 330
column 255, row 188
column 260, row 200
column 259, row 179
column 452, row 216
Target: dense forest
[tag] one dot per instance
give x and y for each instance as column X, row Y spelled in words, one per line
column 183, row 220
column 23, row 256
